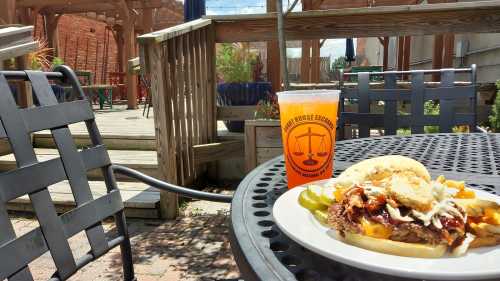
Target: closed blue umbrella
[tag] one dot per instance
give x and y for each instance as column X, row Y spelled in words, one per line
column 194, row 9
column 349, row 50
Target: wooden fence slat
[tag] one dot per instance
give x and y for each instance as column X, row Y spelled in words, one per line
column 178, row 109
column 199, row 88
column 364, row 101
column 446, row 106
column 182, row 103
column 189, row 114
column 174, row 72
column 212, row 81
column 390, row 107
column 207, row 85
column 417, row 102
column 192, row 114
column 204, row 69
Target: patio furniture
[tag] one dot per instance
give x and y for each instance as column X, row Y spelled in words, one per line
column 448, row 93
column 32, row 178
column 103, row 93
column 264, row 252
column 117, row 79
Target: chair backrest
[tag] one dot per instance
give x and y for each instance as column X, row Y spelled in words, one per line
column 446, row 94
column 32, row 177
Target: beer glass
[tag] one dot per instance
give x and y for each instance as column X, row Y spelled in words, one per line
column 308, row 125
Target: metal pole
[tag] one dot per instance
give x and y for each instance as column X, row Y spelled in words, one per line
column 282, row 45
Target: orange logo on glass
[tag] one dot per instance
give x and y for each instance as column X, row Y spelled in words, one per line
column 309, row 144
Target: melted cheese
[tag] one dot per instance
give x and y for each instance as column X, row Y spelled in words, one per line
column 375, row 230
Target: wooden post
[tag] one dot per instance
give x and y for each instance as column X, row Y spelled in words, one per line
column 305, row 62
column 401, row 47
column 159, row 65
column 147, row 20
column 315, row 61
column 25, row 92
column 119, row 44
column 273, row 66
column 130, row 79
column 437, row 57
column 407, row 55
column 449, row 45
column 386, row 53
column 52, row 34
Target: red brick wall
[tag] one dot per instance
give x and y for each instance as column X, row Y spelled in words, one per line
column 82, row 40
column 84, row 43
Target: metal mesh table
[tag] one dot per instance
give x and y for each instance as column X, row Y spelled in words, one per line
column 263, row 252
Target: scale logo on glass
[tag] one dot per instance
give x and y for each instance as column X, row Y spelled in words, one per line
column 309, row 144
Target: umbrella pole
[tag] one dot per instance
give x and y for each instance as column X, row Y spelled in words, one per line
column 282, row 45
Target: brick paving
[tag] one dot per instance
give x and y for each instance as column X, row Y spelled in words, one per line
column 192, row 247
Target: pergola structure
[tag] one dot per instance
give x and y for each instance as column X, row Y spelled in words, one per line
column 310, row 62
column 127, row 18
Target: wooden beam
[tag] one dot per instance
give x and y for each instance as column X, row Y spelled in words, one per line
column 174, row 31
column 425, row 19
column 133, row 4
column 205, row 153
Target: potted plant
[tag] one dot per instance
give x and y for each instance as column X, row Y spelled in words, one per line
column 239, row 71
column 494, row 118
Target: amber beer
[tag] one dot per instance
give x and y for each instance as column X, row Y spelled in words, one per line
column 308, row 123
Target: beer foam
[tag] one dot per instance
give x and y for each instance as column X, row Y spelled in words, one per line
column 301, row 96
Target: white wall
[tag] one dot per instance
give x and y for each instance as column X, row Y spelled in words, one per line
column 482, row 50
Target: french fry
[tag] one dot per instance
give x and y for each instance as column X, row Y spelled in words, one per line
column 484, row 241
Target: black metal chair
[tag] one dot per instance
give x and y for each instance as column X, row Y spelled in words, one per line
column 33, row 177
column 447, row 93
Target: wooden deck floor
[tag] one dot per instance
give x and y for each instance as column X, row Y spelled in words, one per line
column 130, row 139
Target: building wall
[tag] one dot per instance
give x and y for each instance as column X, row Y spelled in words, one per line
column 84, row 44
column 87, row 44
column 480, row 49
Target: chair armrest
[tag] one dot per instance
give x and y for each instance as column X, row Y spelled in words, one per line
column 186, row 192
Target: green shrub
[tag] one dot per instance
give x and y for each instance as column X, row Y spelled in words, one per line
column 235, row 63
column 56, row 61
column 494, row 118
column 431, row 108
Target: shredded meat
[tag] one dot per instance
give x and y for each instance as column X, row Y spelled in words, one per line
column 345, row 217
column 412, row 232
column 341, row 221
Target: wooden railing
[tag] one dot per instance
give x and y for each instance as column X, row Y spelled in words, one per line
column 181, row 63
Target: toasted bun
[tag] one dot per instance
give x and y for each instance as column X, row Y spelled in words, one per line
column 394, row 247
column 411, row 191
column 381, row 167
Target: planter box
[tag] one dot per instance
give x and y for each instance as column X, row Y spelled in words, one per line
column 241, row 94
column 262, row 142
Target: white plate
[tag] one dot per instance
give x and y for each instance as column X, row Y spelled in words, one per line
column 301, row 226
